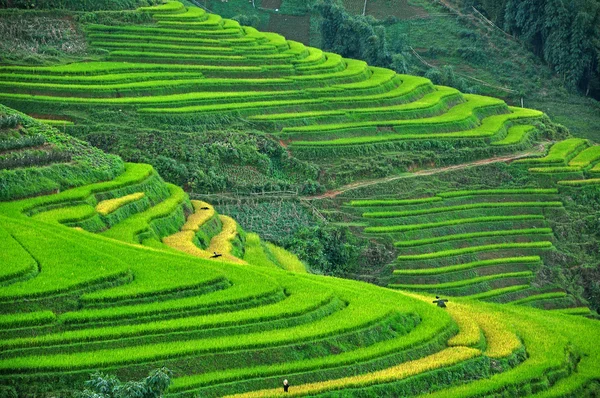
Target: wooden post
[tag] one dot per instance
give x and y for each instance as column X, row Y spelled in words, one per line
column 522, row 103
column 365, row 8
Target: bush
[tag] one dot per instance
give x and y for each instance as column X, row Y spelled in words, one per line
column 107, row 386
column 331, row 250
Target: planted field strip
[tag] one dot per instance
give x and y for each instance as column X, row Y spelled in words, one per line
column 430, row 105
column 475, row 249
column 110, row 205
column 302, row 300
column 219, row 244
column 459, row 115
column 26, row 319
column 447, row 357
column 559, row 154
column 17, row 262
column 448, row 285
column 471, row 265
column 586, row 157
column 515, row 135
column 286, row 260
column 452, row 222
column 254, row 252
column 557, row 169
column 130, row 229
column 489, row 127
column 472, row 206
column 420, row 242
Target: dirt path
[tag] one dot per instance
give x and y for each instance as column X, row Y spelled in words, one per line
column 361, row 184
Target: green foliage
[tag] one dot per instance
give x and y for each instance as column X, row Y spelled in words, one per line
column 75, row 5
column 352, row 36
column 107, row 386
column 330, row 250
column 565, row 34
column 445, row 76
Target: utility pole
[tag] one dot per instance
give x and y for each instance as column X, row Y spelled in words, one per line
column 365, row 8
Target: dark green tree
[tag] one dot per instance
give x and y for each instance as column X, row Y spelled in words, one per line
column 352, row 36
column 565, row 33
column 330, row 250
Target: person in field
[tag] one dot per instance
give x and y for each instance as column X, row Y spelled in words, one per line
column 216, row 255
column 440, row 302
column 286, row 386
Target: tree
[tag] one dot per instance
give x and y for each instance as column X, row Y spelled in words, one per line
column 109, row 386
column 353, row 36
column 565, row 33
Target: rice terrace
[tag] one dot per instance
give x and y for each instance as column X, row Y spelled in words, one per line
column 194, row 205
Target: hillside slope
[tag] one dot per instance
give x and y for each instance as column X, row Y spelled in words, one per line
column 278, row 113
column 113, row 275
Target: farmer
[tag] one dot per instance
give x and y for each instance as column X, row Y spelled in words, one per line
column 440, row 302
column 286, row 385
column 215, row 255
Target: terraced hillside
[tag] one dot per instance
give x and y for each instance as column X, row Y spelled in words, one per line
column 194, row 69
column 112, row 275
column 492, row 244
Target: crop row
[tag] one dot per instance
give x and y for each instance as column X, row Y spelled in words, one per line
column 471, row 206
column 405, row 92
column 460, row 283
column 302, row 300
column 158, row 31
column 129, row 229
column 21, row 142
column 475, row 249
column 285, row 259
column 463, row 115
column 586, row 157
column 346, row 320
column 244, row 294
column 15, row 259
column 447, row 357
column 490, row 126
column 515, row 135
column 471, row 265
column 457, row 221
column 485, row 234
column 500, row 191
column 108, row 206
column 560, row 153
